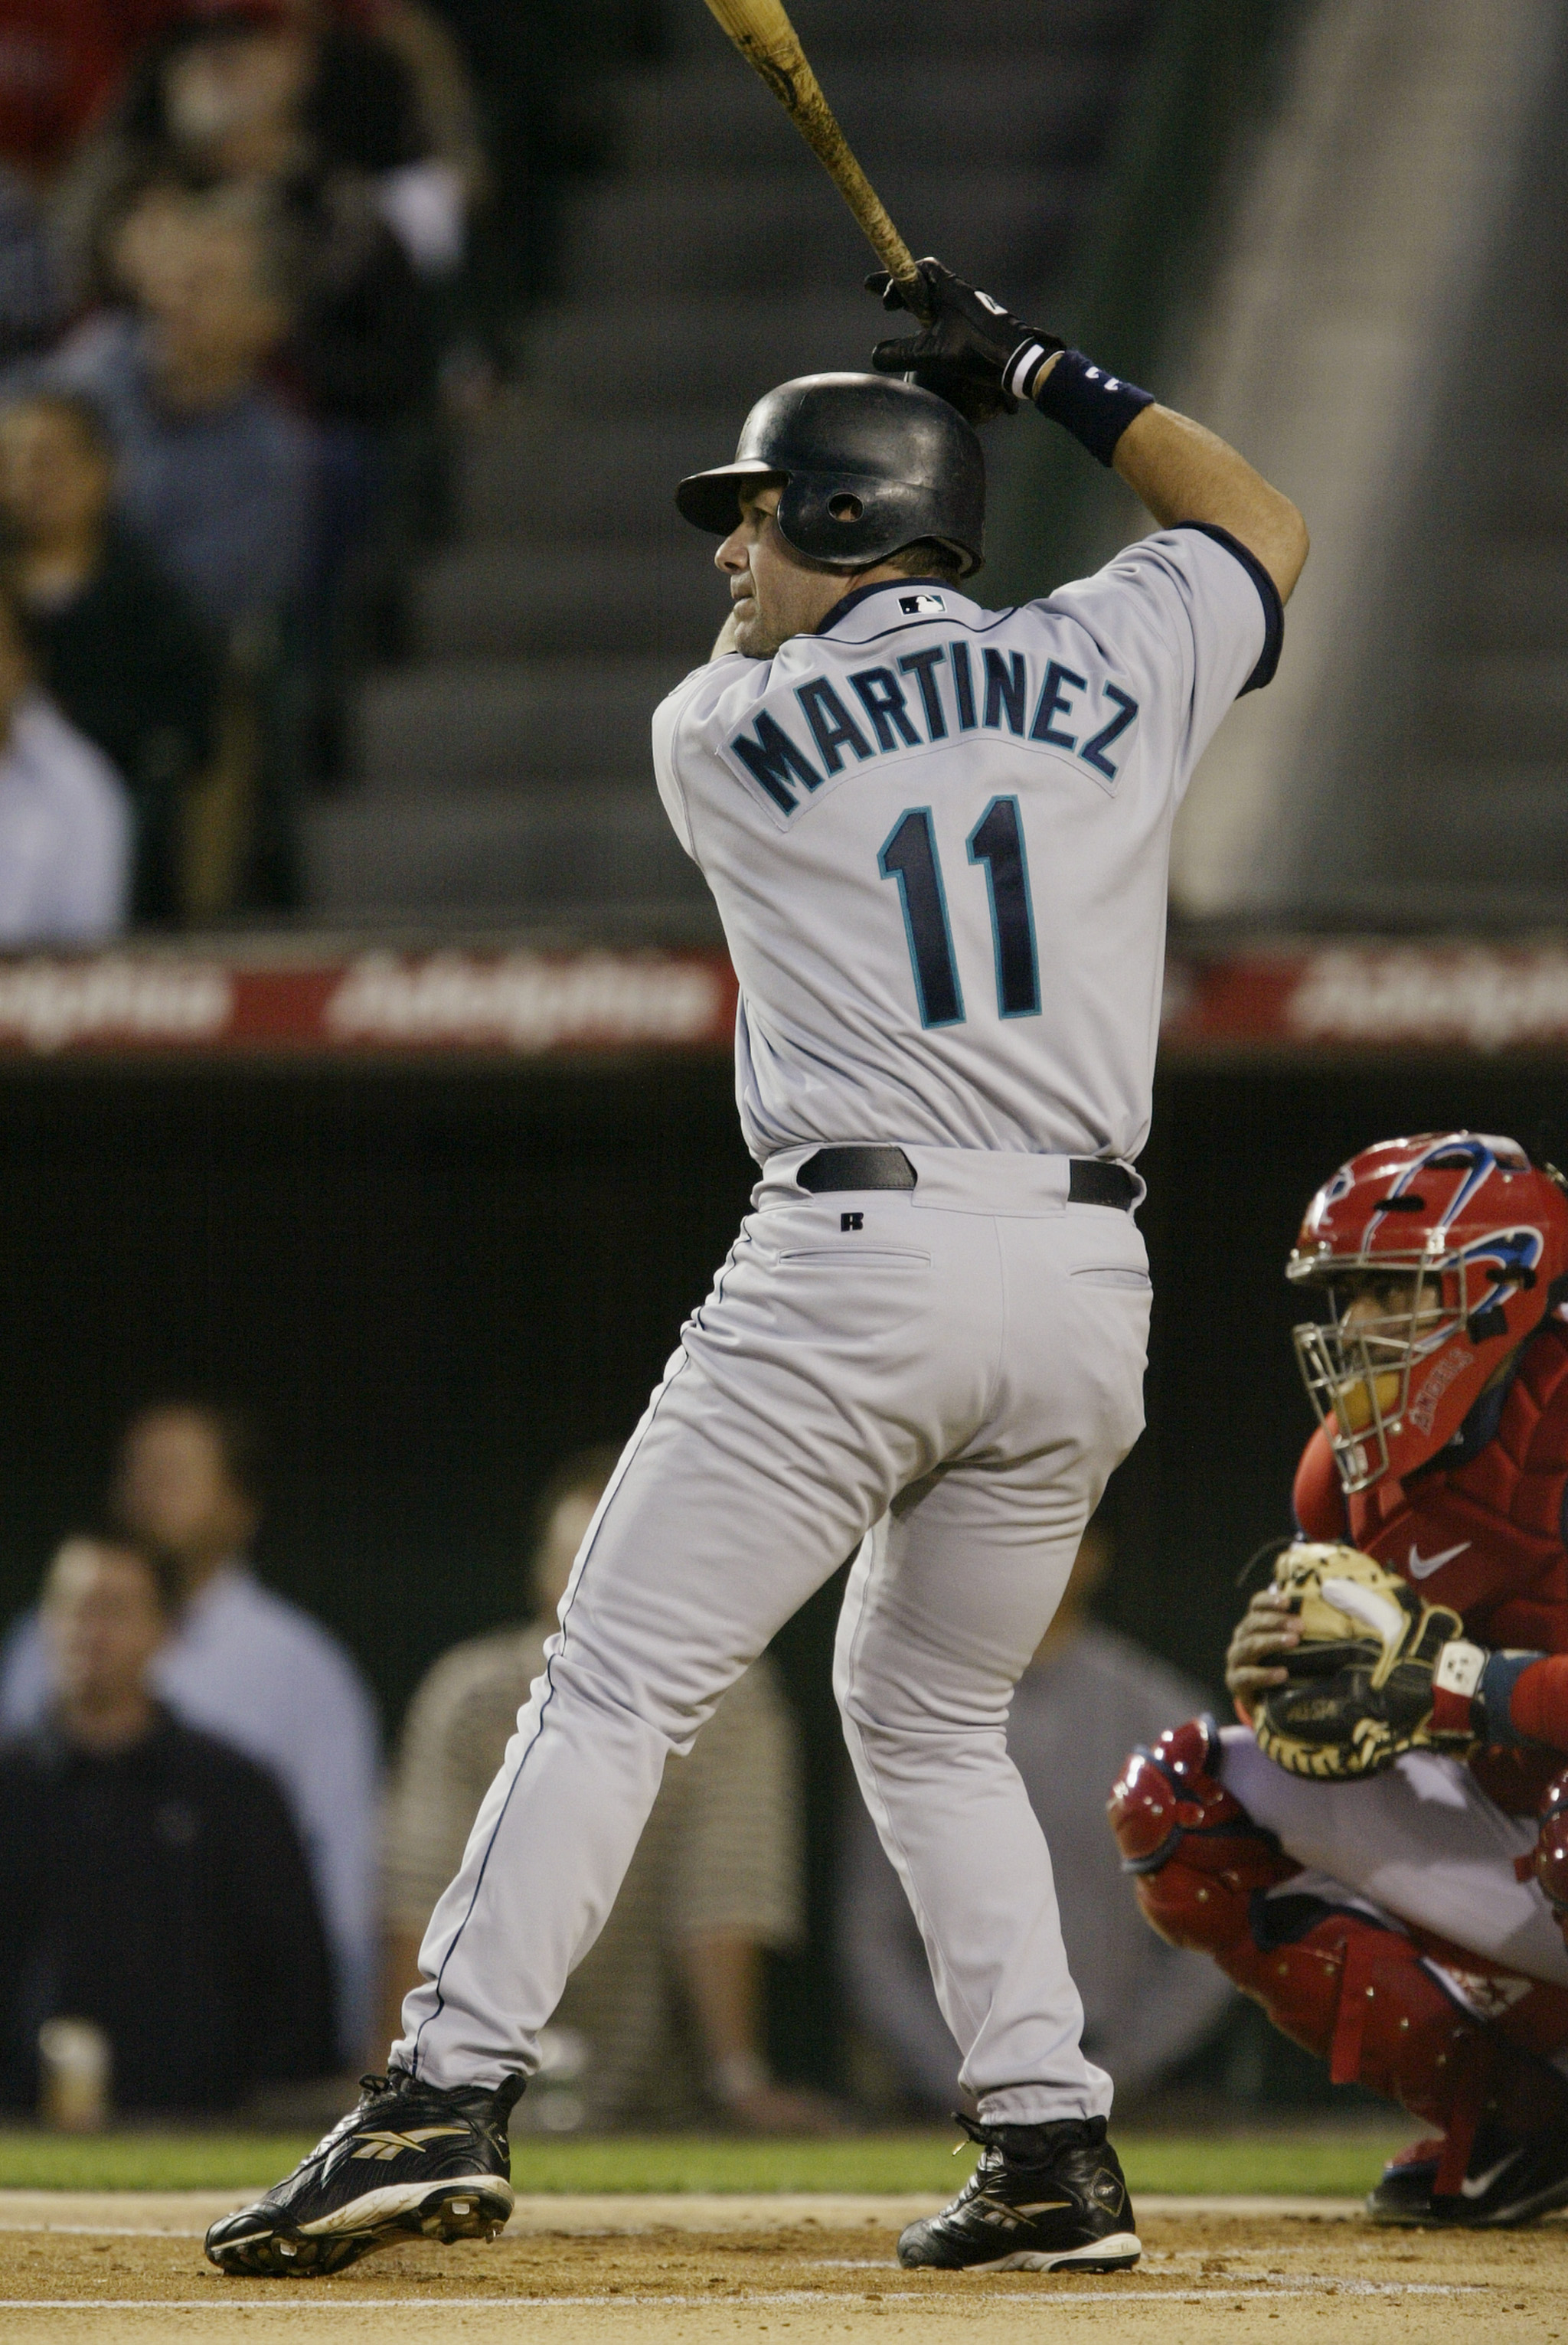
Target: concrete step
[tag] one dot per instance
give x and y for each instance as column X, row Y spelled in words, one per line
column 1528, row 483
column 588, row 852
column 1517, row 699
column 475, row 723
column 1513, row 597
column 1472, row 813
column 1391, row 897
column 687, row 357
column 661, row 234
column 509, row 599
column 1037, row 107
column 553, row 473
column 1492, row 823
column 1538, row 378
column 936, row 29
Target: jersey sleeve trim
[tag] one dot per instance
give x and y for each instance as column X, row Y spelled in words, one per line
column 1268, row 593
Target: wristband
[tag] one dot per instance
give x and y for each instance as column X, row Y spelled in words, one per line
column 1472, row 1690
column 1094, row 406
column 1456, row 1709
column 1494, row 1697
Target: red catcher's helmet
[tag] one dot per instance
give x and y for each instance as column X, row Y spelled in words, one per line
column 1464, row 1243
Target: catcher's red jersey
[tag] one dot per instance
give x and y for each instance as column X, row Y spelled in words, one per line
column 1486, row 1536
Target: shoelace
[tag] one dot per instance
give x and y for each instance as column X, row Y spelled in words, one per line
column 369, row 2088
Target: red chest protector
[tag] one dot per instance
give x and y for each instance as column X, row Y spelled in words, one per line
column 1485, row 1537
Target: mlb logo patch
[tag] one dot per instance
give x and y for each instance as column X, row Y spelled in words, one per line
column 921, row 606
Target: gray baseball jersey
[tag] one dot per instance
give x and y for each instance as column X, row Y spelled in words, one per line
column 939, row 839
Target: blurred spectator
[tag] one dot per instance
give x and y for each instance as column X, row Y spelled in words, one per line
column 243, row 1663
column 316, row 110
column 213, row 469
column 61, row 65
column 214, row 475
column 118, row 646
column 370, row 82
column 667, row 2003
column 153, row 1882
column 455, row 173
column 65, row 818
column 1146, row 2004
column 29, row 303
column 70, row 68
column 292, row 90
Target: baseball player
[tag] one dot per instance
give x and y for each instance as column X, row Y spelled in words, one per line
column 1407, row 1927
column 937, row 837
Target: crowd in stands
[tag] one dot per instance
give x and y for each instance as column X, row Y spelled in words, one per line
column 232, row 243
column 155, row 1883
column 207, row 1871
column 239, row 1662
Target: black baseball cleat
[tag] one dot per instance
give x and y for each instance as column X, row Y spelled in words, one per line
column 1043, row 2198
column 1505, row 2183
column 411, row 2162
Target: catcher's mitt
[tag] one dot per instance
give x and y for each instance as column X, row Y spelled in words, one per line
column 1360, row 1686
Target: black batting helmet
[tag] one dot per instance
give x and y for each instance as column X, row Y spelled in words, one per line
column 867, row 463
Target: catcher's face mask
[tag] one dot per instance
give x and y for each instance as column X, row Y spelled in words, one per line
column 1437, row 1257
column 1356, row 1365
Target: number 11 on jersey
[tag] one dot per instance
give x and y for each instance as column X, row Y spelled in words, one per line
column 909, row 856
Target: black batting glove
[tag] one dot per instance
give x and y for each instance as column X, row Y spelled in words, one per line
column 974, row 353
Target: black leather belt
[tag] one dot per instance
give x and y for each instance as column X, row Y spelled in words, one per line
column 856, row 1168
column 1091, row 1180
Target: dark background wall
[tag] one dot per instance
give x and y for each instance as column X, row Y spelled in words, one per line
column 433, row 1286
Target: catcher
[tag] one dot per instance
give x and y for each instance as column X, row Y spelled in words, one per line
column 1378, row 1855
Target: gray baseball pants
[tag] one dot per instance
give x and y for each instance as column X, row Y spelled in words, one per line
column 1421, row 1843
column 941, row 1380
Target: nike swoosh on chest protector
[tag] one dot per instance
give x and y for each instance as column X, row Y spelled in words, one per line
column 1422, row 1566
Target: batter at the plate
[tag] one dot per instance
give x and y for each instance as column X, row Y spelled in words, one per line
column 937, row 837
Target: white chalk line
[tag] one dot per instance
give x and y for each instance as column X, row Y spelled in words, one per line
column 97, row 2231
column 739, row 2301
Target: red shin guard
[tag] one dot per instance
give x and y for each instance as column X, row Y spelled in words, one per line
column 1448, row 2036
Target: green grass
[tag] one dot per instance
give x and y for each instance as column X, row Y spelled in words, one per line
column 1306, row 2165
column 143, row 2161
column 1313, row 2162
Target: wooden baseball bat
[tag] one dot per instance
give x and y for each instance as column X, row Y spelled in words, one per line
column 766, row 38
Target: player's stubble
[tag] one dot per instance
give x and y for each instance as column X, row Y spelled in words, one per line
column 775, row 591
